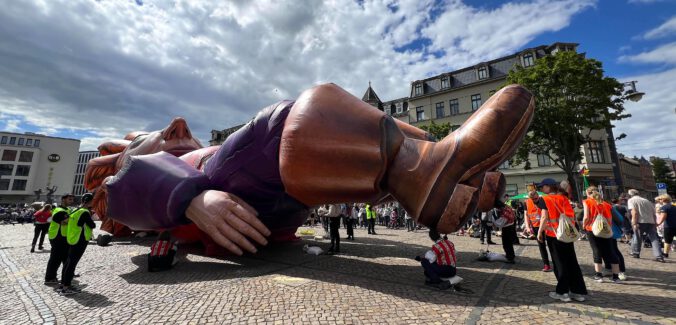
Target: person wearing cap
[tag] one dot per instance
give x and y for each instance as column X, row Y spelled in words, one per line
column 570, row 283
column 80, row 225
column 58, row 230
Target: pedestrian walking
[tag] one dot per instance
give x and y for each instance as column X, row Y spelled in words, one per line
column 80, row 226
column 667, row 217
column 595, row 207
column 41, row 226
column 643, row 221
column 570, row 283
column 57, row 233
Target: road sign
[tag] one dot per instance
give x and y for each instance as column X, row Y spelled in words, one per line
column 661, row 188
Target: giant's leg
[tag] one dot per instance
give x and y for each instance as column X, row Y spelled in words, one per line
column 336, row 148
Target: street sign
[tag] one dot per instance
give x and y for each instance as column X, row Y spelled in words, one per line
column 661, row 188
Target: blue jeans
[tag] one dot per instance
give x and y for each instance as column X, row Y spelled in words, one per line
column 651, row 231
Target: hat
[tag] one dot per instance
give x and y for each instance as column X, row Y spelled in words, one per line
column 547, row 181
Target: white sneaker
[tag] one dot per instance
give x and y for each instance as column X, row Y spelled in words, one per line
column 577, row 297
column 622, row 276
column 564, row 297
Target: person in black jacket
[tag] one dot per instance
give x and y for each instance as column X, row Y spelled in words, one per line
column 80, row 228
column 59, row 247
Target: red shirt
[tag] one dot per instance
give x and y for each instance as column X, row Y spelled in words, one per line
column 445, row 252
column 42, row 216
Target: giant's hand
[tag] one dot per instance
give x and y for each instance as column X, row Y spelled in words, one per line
column 228, row 220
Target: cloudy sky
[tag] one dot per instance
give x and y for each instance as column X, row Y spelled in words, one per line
column 95, row 70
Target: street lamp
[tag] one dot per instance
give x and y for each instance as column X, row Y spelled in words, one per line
column 631, row 93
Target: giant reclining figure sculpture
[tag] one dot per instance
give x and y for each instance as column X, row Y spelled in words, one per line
column 326, row 147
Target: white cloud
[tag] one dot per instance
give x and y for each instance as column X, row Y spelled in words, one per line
column 108, row 67
column 650, row 131
column 668, row 28
column 646, row 1
column 663, row 54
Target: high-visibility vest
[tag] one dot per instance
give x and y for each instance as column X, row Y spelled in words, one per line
column 556, row 203
column 370, row 214
column 55, row 226
column 534, row 213
column 595, row 208
column 74, row 231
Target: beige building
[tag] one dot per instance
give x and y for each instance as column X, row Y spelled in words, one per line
column 454, row 96
column 31, row 164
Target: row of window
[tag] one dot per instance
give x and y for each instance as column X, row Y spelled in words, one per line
column 10, row 155
column 17, row 184
column 21, row 170
column 483, row 72
column 596, row 156
column 453, row 104
column 22, row 141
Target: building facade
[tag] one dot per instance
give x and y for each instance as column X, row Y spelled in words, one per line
column 83, row 158
column 219, row 136
column 454, row 96
column 33, row 165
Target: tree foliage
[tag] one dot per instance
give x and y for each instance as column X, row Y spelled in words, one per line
column 572, row 98
column 663, row 174
column 438, row 130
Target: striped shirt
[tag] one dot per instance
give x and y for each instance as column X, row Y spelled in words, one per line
column 445, row 252
column 161, row 248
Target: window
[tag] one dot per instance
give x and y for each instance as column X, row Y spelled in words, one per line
column 21, row 141
column 483, row 73
column 400, row 108
column 26, row 156
column 528, row 60
column 388, row 111
column 504, row 165
column 419, row 113
column 29, row 142
column 12, row 140
column 511, row 189
column 6, row 169
column 9, row 155
column 4, row 140
column 418, row 89
column 4, row 184
column 36, row 143
column 543, row 160
column 22, row 170
column 596, row 152
column 19, row 185
column 455, row 107
column 440, row 110
column 445, row 82
column 476, row 102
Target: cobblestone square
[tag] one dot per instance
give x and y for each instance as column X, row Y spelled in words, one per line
column 374, row 281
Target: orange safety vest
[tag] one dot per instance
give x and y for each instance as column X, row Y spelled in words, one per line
column 604, row 209
column 534, row 213
column 556, row 203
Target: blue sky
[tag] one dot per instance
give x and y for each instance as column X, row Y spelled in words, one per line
column 95, row 70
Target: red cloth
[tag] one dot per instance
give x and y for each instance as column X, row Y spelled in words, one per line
column 42, row 216
column 161, row 248
column 445, row 252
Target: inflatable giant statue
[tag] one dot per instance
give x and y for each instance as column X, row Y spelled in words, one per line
column 326, row 147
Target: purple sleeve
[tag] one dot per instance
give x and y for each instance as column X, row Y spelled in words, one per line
column 152, row 192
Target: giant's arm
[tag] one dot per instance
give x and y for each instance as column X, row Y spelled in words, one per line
column 153, row 191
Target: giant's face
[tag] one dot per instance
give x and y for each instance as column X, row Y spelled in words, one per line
column 175, row 139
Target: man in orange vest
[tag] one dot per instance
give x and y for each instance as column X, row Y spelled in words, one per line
column 533, row 215
column 439, row 261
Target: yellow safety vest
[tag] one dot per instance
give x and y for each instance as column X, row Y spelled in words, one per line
column 74, row 231
column 55, row 226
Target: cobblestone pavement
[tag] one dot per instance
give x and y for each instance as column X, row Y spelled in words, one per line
column 374, row 280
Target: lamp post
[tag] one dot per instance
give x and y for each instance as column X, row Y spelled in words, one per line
column 633, row 95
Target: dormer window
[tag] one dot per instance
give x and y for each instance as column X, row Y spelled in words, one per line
column 483, row 72
column 445, row 82
column 418, row 89
column 528, row 60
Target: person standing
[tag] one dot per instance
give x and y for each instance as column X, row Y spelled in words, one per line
column 332, row 212
column 409, row 221
column 486, row 227
column 601, row 247
column 57, row 233
column 532, row 221
column 570, row 283
column 41, row 226
column 667, row 216
column 80, row 226
column 643, row 220
column 508, row 223
column 352, row 218
column 371, row 219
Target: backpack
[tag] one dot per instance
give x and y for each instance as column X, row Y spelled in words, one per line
column 566, row 231
column 601, row 227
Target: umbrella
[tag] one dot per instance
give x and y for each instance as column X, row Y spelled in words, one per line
column 524, row 196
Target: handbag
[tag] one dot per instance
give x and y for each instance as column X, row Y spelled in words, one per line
column 566, row 231
column 601, row 228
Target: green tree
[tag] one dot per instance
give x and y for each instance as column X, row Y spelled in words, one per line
column 438, row 130
column 662, row 174
column 572, row 98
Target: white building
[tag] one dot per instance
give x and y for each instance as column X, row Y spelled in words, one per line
column 83, row 158
column 32, row 163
